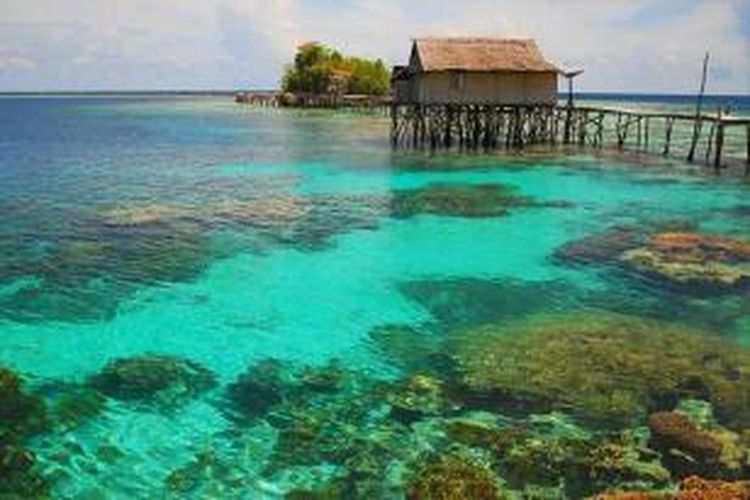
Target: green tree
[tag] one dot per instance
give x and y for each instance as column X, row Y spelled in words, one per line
column 320, row 69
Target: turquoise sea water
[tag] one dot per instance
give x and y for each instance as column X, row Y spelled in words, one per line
column 227, row 235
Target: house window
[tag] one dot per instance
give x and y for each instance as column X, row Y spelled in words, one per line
column 458, row 80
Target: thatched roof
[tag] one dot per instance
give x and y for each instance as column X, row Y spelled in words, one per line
column 480, row 54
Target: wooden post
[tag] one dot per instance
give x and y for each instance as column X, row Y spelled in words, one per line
column 645, row 138
column 719, row 141
column 638, row 132
column 747, row 159
column 668, row 136
column 710, row 142
column 698, row 122
column 394, row 125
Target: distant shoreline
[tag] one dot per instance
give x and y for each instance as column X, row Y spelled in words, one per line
column 737, row 103
column 223, row 92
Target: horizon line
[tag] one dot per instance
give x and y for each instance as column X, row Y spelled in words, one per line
column 221, row 91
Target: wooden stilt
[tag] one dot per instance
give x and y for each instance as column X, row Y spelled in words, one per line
column 490, row 126
column 668, row 136
column 719, row 142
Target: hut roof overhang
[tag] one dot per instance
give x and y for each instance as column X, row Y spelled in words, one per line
column 480, row 55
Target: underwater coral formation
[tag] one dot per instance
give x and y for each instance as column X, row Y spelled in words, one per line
column 462, row 200
column 691, row 261
column 600, row 248
column 70, row 404
column 157, row 379
column 21, row 416
column 689, row 449
column 602, row 366
column 694, row 259
column 451, row 477
column 258, row 389
column 672, row 432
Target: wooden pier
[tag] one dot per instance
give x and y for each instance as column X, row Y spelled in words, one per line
column 492, row 126
column 348, row 102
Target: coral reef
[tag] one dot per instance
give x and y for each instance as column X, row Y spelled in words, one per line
column 409, row 347
column 690, row 450
column 693, row 260
column 21, row 416
column 20, row 413
column 625, row 465
column 696, row 488
column 686, row 449
column 69, row 404
column 262, row 386
column 465, row 302
column 264, row 212
column 691, row 488
column 478, row 434
column 163, row 380
column 599, row 249
column 417, row 397
column 86, row 279
column 482, row 200
column 452, row 477
column 19, row 478
column 128, row 216
column 601, row 366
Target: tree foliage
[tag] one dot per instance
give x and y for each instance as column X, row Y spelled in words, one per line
column 320, row 69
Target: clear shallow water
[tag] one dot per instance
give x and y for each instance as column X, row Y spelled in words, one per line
column 228, row 235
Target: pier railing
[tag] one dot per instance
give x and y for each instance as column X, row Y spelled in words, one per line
column 706, row 138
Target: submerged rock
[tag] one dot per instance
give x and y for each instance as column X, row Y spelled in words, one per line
column 154, row 378
column 608, row 367
column 451, row 477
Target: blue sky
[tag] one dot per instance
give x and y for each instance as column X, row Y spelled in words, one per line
column 624, row 45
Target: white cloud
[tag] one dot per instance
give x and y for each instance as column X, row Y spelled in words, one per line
column 624, row 45
column 15, row 62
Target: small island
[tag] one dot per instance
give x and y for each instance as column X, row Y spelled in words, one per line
column 321, row 76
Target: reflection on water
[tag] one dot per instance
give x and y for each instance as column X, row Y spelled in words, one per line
column 201, row 300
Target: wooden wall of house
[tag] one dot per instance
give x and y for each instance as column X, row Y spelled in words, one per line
column 466, row 88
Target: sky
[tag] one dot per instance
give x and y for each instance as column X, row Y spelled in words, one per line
column 654, row 46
